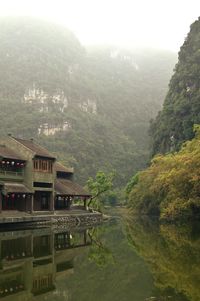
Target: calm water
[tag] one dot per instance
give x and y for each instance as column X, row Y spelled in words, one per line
column 118, row 261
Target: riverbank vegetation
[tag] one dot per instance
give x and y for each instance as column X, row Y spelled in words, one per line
column 170, row 187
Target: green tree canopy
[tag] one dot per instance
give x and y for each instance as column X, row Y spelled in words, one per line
column 171, row 185
column 98, row 186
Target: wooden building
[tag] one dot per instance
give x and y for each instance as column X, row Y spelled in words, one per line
column 31, row 180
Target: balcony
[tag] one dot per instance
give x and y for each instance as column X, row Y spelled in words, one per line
column 43, row 177
column 11, row 175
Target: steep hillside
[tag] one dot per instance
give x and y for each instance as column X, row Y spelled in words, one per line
column 91, row 107
column 181, row 109
column 170, row 186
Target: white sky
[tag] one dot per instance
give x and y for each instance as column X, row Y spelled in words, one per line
column 127, row 23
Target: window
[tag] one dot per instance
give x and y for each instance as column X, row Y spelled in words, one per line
column 41, row 184
column 43, row 165
column 42, row 282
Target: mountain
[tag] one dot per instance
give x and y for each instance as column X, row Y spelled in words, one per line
column 169, row 187
column 91, row 107
column 181, row 110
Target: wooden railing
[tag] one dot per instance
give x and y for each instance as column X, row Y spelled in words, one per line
column 11, row 173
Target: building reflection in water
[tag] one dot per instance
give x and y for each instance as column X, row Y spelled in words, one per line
column 31, row 260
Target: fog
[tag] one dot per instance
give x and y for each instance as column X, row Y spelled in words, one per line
column 127, row 23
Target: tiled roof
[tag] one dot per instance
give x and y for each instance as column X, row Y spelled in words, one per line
column 66, row 187
column 59, row 167
column 8, row 153
column 34, row 147
column 15, row 188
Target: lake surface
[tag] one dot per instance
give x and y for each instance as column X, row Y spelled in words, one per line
column 117, row 261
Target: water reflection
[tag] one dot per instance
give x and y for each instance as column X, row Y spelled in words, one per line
column 172, row 253
column 31, row 260
column 120, row 261
column 87, row 265
column 99, row 252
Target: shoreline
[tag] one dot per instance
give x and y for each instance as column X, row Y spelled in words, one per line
column 72, row 218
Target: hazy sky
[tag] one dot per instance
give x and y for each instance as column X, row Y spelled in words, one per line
column 136, row 23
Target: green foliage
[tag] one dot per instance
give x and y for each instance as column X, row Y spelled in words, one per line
column 181, row 109
column 133, row 181
column 110, row 198
column 101, row 184
column 170, row 186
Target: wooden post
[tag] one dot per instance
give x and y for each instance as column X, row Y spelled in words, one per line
column 0, row 202
column 52, row 244
column 31, row 244
column 32, row 203
column 70, row 201
column 51, row 202
column 85, row 203
column 27, row 203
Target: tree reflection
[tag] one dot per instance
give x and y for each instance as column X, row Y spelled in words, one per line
column 99, row 252
column 173, row 255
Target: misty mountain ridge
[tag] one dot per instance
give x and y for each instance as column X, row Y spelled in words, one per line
column 91, row 106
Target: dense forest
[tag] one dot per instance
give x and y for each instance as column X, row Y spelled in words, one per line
column 181, row 109
column 169, row 187
column 91, row 107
